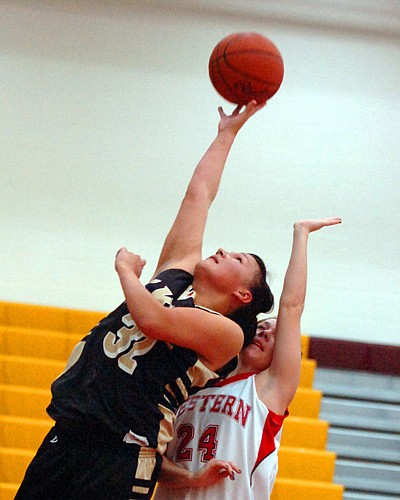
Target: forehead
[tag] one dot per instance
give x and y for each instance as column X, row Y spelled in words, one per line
column 252, row 261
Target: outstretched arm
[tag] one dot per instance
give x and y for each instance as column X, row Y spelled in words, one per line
column 278, row 384
column 176, row 477
column 183, row 245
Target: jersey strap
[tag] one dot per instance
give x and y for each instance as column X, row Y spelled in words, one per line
column 234, row 378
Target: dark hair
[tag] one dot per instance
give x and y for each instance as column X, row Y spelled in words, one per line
column 225, row 370
column 262, row 302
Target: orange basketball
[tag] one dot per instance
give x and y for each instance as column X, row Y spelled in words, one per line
column 246, row 66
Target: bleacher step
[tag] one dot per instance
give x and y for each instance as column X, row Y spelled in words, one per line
column 369, row 477
column 305, row 433
column 358, row 385
column 306, row 403
column 361, row 414
column 47, row 344
column 8, row 490
column 367, row 445
column 305, row 463
column 300, row 489
column 25, row 433
column 23, row 401
column 13, row 464
column 29, row 371
column 357, row 495
column 48, row 317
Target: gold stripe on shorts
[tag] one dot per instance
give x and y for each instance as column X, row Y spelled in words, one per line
column 145, row 468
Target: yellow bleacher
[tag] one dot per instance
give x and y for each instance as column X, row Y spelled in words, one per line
column 35, row 342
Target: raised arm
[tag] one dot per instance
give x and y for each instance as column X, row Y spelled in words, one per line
column 183, row 245
column 278, row 384
column 214, row 337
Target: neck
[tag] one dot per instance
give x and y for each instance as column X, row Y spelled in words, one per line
column 211, row 299
column 242, row 367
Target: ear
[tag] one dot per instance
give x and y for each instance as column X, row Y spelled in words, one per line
column 244, row 296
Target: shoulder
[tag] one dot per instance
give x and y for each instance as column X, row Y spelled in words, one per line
column 176, row 279
column 172, row 273
column 271, row 393
column 247, row 377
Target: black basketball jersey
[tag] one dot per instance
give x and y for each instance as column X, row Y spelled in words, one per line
column 120, row 380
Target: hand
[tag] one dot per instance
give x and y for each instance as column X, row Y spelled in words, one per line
column 213, row 472
column 125, row 260
column 237, row 119
column 316, row 224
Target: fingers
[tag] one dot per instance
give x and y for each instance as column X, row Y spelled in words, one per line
column 328, row 221
column 253, row 106
column 235, row 468
column 124, row 252
column 250, row 108
column 333, row 220
column 311, row 225
column 221, row 112
column 120, row 251
column 236, row 111
column 227, row 469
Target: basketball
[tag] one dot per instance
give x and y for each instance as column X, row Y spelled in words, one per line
column 246, row 66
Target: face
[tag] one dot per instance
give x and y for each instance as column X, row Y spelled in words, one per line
column 228, row 271
column 258, row 355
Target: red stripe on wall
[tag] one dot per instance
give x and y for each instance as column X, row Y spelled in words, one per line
column 348, row 355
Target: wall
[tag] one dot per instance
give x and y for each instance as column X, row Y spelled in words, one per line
column 106, row 107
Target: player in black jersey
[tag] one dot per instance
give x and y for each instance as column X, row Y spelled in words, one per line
column 114, row 404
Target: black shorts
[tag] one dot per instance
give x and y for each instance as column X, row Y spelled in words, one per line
column 89, row 468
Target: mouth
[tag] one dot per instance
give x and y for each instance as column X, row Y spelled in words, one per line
column 214, row 258
column 258, row 344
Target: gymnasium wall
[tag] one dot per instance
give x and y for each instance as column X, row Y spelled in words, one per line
column 106, row 107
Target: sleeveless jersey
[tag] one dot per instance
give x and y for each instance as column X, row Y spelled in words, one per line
column 117, row 380
column 227, row 422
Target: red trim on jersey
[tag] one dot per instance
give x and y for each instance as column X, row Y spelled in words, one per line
column 273, row 424
column 234, row 378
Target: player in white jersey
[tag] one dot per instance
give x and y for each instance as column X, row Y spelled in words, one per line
column 227, row 421
column 240, row 419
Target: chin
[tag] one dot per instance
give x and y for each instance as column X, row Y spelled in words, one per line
column 199, row 268
column 204, row 268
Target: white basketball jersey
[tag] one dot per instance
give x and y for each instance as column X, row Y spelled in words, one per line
column 227, row 422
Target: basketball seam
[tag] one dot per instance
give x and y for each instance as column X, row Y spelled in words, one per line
column 241, row 72
column 246, row 51
column 232, row 91
column 250, row 51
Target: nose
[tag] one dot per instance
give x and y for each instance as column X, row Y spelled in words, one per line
column 263, row 333
column 222, row 252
